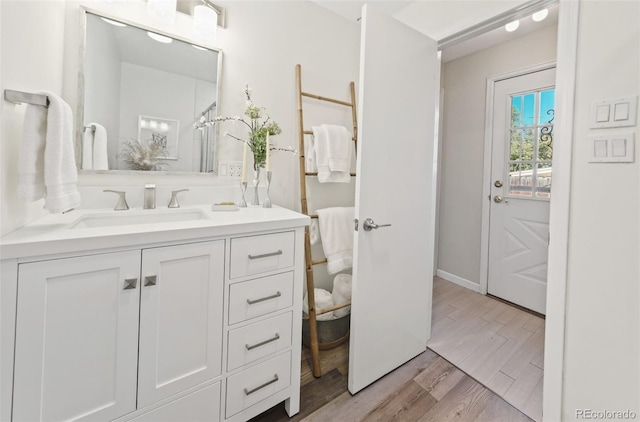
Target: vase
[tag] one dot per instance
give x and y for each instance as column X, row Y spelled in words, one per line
column 256, row 182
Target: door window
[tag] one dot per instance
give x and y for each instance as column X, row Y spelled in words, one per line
column 531, row 144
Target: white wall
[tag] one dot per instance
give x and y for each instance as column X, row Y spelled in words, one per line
column 262, row 43
column 32, row 48
column 602, row 354
column 464, row 81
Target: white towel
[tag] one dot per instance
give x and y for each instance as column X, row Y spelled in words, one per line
column 341, row 293
column 60, row 173
column 314, row 231
column 100, row 154
column 310, row 154
column 333, row 148
column 336, row 230
column 87, row 149
column 323, row 300
column 31, row 163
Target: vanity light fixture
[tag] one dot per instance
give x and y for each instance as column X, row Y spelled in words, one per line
column 205, row 21
column 159, row 38
column 162, row 10
column 112, row 22
column 512, row 26
column 540, row 15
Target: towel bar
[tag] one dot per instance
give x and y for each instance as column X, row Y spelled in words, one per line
column 19, row 97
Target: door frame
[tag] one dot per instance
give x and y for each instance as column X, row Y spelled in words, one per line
column 486, row 174
column 566, row 64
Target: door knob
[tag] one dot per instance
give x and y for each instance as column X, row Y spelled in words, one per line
column 498, row 183
column 497, row 199
column 369, row 225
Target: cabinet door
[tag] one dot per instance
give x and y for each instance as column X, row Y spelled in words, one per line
column 180, row 318
column 77, row 338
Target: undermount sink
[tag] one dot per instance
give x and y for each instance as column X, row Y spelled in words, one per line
column 127, row 218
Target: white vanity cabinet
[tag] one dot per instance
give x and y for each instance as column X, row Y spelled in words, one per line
column 95, row 332
column 175, row 325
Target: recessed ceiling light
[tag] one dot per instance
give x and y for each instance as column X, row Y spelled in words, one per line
column 159, row 38
column 114, row 23
column 512, row 26
column 197, row 47
column 538, row 16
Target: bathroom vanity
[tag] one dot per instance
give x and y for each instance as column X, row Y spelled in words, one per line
column 148, row 315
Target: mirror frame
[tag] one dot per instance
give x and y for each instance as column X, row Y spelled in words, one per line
column 83, row 10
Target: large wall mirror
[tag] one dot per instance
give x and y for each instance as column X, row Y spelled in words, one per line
column 142, row 94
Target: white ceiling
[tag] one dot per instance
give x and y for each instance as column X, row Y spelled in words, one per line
column 433, row 18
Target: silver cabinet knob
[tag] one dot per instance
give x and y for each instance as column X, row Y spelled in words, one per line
column 369, row 225
column 497, row 199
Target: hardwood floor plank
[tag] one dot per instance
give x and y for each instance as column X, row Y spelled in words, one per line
column 500, row 383
column 533, row 407
column 439, row 378
column 496, row 361
column 354, row 408
column 538, row 359
column 473, row 341
column 496, row 309
column 482, row 354
column 439, row 327
column 465, row 402
column 520, row 360
column 519, row 392
column 407, row 404
column 499, row 410
column 534, row 324
column 517, row 322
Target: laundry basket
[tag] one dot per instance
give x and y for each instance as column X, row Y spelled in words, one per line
column 331, row 333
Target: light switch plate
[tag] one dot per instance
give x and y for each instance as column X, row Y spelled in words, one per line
column 618, row 112
column 612, row 148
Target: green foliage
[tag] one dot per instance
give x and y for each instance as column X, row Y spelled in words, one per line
column 523, row 141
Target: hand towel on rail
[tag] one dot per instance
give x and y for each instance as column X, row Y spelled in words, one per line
column 341, row 293
column 323, row 300
column 31, row 162
column 87, row 148
column 336, row 231
column 100, row 155
column 333, row 146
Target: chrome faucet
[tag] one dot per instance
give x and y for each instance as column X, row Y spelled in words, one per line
column 173, row 203
column 149, row 197
column 121, row 205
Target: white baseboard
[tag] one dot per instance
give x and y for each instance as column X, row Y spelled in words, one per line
column 458, row 280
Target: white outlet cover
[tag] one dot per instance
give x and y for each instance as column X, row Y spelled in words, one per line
column 617, row 112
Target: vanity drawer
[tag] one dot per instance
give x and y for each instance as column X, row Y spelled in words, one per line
column 260, row 339
column 256, row 384
column 260, row 296
column 259, row 254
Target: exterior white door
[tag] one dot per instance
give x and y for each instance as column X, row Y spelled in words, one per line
column 180, row 318
column 521, row 175
column 77, row 338
column 393, row 265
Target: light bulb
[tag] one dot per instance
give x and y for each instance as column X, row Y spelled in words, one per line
column 114, row 23
column 512, row 26
column 540, row 15
column 159, row 38
column 205, row 23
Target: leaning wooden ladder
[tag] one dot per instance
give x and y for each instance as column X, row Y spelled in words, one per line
column 310, row 262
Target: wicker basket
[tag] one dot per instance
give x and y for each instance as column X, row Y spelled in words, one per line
column 331, row 333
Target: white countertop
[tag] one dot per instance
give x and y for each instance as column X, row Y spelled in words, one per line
column 53, row 234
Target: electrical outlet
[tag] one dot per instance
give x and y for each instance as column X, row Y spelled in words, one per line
column 230, row 168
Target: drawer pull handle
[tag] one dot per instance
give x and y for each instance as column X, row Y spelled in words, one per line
column 150, row 280
column 253, row 390
column 130, row 283
column 262, row 299
column 265, row 255
column 262, row 343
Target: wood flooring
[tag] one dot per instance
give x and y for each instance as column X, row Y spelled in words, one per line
column 495, row 343
column 499, row 345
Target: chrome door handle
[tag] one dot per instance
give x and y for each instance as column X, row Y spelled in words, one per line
column 265, row 255
column 262, row 299
column 369, row 225
column 262, row 343
column 253, row 390
column 498, row 199
column 130, row 283
column 150, row 280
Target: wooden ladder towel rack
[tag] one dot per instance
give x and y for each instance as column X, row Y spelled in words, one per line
column 310, row 262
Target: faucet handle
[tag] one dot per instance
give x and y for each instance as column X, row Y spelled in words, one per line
column 173, row 203
column 122, row 201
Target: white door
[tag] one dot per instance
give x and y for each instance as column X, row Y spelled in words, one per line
column 77, row 338
column 180, row 318
column 392, row 269
column 521, row 176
